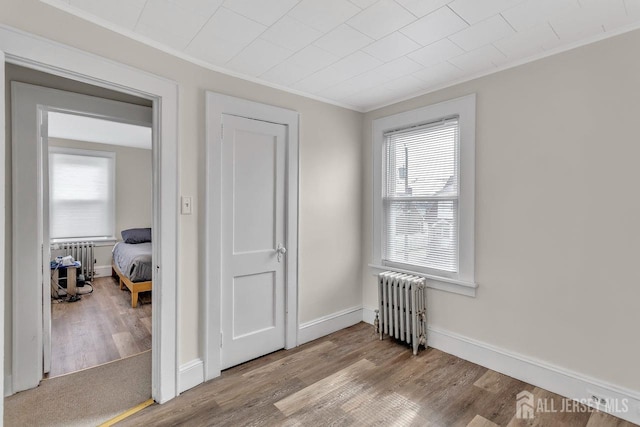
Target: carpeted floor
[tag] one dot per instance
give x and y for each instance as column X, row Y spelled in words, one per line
column 85, row 398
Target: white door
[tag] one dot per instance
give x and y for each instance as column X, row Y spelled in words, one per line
column 253, row 237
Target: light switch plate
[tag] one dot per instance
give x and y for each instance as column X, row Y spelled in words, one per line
column 186, row 205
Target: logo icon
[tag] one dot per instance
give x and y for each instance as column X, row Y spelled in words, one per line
column 524, row 405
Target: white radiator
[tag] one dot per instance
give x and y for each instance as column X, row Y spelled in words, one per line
column 80, row 251
column 402, row 308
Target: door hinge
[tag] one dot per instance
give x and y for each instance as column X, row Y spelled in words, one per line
column 43, row 129
column 220, row 339
column 221, row 131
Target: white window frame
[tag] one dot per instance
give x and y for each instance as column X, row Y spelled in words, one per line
column 462, row 282
column 93, row 153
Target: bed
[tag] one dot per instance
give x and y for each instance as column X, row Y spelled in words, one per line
column 132, row 264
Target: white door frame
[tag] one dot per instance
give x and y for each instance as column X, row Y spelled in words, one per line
column 31, row 312
column 34, row 52
column 2, row 221
column 217, row 105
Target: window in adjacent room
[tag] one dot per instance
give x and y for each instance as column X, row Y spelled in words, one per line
column 425, row 191
column 81, row 194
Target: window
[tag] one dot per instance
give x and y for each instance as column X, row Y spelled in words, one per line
column 424, row 193
column 81, row 194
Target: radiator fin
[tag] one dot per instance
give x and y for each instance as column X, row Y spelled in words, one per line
column 402, row 308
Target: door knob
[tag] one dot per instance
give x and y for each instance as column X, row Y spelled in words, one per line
column 281, row 250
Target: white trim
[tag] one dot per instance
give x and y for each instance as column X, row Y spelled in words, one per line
column 4, row 388
column 434, row 282
column 541, row 374
column 217, row 105
column 8, row 386
column 329, row 324
column 45, row 55
column 465, row 108
column 191, row 374
column 65, row 6
column 102, row 271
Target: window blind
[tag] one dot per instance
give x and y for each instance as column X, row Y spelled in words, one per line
column 81, row 194
column 420, row 199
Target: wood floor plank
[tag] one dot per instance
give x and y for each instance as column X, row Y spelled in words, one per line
column 351, row 378
column 82, row 333
column 602, row 419
column 307, row 396
column 479, row 421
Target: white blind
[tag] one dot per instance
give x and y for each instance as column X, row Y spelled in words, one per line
column 81, row 194
column 420, row 199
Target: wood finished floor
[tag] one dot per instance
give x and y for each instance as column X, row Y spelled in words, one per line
column 101, row 327
column 351, row 378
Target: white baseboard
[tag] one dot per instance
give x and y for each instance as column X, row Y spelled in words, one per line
column 102, row 270
column 191, row 374
column 538, row 373
column 328, row 324
column 368, row 314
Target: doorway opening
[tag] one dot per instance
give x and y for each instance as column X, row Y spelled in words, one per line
column 100, row 214
column 93, row 171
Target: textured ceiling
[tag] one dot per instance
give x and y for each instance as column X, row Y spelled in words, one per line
column 360, row 53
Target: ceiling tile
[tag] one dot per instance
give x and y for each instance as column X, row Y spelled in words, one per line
column 436, row 53
column 370, row 97
column 124, row 13
column 438, row 74
column 224, row 36
column 203, row 7
column 398, row 68
column 265, row 12
column 324, row 15
column 633, row 8
column 376, row 77
column 381, row 19
column 474, row 11
column 435, row 26
column 535, row 12
column 589, row 19
column 478, row 60
column 291, row 34
column 363, row 4
column 528, row 42
column 337, row 72
column 405, row 85
column 300, row 65
column 482, row 33
column 391, row 47
column 353, row 85
column 423, row 7
column 258, row 57
column 170, row 23
column 343, row 40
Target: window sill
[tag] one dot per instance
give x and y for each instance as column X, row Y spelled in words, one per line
column 434, row 282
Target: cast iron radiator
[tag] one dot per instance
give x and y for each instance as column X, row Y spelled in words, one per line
column 402, row 309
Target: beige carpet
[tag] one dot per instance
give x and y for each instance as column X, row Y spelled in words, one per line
column 85, row 398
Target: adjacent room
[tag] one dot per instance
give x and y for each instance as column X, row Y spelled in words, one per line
column 312, row 212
